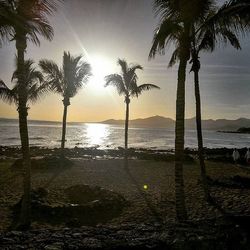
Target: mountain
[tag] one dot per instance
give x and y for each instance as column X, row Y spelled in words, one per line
column 154, row 121
column 163, row 122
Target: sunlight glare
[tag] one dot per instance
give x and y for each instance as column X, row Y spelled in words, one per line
column 97, row 133
column 101, row 67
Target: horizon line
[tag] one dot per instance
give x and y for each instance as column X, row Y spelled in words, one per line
column 189, row 118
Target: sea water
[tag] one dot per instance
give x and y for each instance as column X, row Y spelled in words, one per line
column 48, row 134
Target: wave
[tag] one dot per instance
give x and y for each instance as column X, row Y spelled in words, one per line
column 37, row 138
column 12, row 138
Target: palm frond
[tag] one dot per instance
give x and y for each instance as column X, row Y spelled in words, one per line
column 35, row 86
column 124, row 65
column 229, row 36
column 116, row 80
column 53, row 75
column 7, row 95
column 69, row 72
column 76, row 73
column 131, row 77
column 35, row 74
column 6, row 16
column 34, row 14
column 209, row 36
column 37, row 91
column 144, row 87
column 168, row 32
column 39, row 28
column 208, row 41
column 27, row 17
column 174, row 58
column 126, row 83
column 83, row 73
column 134, row 67
column 233, row 15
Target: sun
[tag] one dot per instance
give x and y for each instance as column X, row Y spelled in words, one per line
column 101, row 67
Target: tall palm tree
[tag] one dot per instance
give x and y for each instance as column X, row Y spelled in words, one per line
column 20, row 21
column 66, row 81
column 206, row 41
column 126, row 85
column 178, row 20
column 35, row 89
column 205, row 36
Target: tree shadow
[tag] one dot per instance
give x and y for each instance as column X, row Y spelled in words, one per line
column 62, row 164
column 148, row 202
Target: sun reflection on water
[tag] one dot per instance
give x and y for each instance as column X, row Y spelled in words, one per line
column 96, row 133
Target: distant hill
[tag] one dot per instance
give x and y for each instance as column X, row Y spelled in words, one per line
column 154, row 121
column 163, row 122
column 34, row 122
column 13, row 120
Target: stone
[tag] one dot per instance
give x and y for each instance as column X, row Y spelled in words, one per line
column 54, row 246
column 91, row 243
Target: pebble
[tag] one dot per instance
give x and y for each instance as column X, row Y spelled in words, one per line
column 54, row 246
column 108, row 237
column 91, row 243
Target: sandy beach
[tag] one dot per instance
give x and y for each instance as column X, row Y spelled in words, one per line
column 147, row 181
column 146, row 221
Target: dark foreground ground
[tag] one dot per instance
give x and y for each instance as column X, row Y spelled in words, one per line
column 147, row 219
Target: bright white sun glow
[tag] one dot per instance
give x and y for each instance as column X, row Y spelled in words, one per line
column 101, row 67
column 97, row 133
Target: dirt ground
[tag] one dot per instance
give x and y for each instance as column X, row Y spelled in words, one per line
column 148, row 186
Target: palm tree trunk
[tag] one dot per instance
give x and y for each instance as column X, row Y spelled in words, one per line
column 127, row 101
column 199, row 136
column 181, row 213
column 25, row 217
column 26, row 206
column 64, row 128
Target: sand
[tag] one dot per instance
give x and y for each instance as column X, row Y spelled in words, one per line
column 149, row 188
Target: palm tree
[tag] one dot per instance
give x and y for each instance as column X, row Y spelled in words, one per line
column 23, row 20
column 66, row 81
column 176, row 19
column 205, row 36
column 126, row 85
column 206, row 40
column 178, row 23
column 35, row 88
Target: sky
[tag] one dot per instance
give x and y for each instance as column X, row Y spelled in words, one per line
column 105, row 30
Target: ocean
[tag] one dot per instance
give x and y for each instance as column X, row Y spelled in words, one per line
column 48, row 134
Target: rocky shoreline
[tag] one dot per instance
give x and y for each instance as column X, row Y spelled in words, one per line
column 206, row 235
column 136, row 226
column 222, row 154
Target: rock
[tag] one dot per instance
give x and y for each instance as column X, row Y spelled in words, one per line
column 76, row 235
column 8, row 240
column 57, row 236
column 87, row 206
column 44, row 163
column 91, row 243
column 16, row 233
column 54, row 246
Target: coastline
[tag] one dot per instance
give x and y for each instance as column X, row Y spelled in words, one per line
column 104, row 169
column 117, row 153
column 232, row 132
